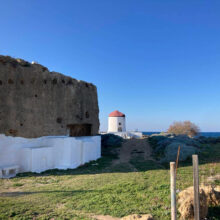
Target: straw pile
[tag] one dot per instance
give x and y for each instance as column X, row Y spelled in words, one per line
column 208, row 197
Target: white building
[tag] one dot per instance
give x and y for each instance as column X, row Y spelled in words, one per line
column 117, row 126
column 116, row 122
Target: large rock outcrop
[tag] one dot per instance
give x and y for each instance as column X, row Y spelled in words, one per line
column 35, row 102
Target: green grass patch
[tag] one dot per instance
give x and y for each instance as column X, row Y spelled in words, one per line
column 17, row 184
column 99, row 188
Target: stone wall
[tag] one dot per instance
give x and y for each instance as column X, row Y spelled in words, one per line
column 35, row 102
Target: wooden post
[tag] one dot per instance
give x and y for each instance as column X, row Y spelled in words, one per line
column 173, row 190
column 196, row 186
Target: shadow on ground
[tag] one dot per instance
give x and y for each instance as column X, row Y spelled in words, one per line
column 66, row 192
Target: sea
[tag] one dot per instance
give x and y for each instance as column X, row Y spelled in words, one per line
column 205, row 134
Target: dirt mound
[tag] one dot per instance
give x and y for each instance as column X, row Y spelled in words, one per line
column 208, row 197
column 138, row 217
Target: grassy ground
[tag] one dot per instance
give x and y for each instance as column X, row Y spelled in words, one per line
column 101, row 189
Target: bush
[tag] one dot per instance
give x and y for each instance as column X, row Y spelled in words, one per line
column 153, row 140
column 110, row 145
column 111, row 140
column 184, row 128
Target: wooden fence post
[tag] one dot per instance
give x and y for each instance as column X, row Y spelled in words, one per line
column 173, row 190
column 196, row 186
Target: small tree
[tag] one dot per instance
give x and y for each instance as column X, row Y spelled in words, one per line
column 184, row 128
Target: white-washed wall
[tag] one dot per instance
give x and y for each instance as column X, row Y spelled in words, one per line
column 40, row 154
column 128, row 134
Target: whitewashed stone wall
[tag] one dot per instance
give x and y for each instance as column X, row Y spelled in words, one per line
column 49, row 152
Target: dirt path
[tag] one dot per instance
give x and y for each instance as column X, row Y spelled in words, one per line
column 131, row 148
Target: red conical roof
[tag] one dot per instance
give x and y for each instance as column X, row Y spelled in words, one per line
column 116, row 113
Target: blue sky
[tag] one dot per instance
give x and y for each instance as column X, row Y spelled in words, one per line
column 156, row 61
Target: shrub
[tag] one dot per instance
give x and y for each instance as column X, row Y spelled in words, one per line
column 111, row 140
column 110, row 144
column 184, row 128
column 154, row 140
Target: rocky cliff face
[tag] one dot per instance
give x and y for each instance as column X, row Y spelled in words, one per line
column 35, row 102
